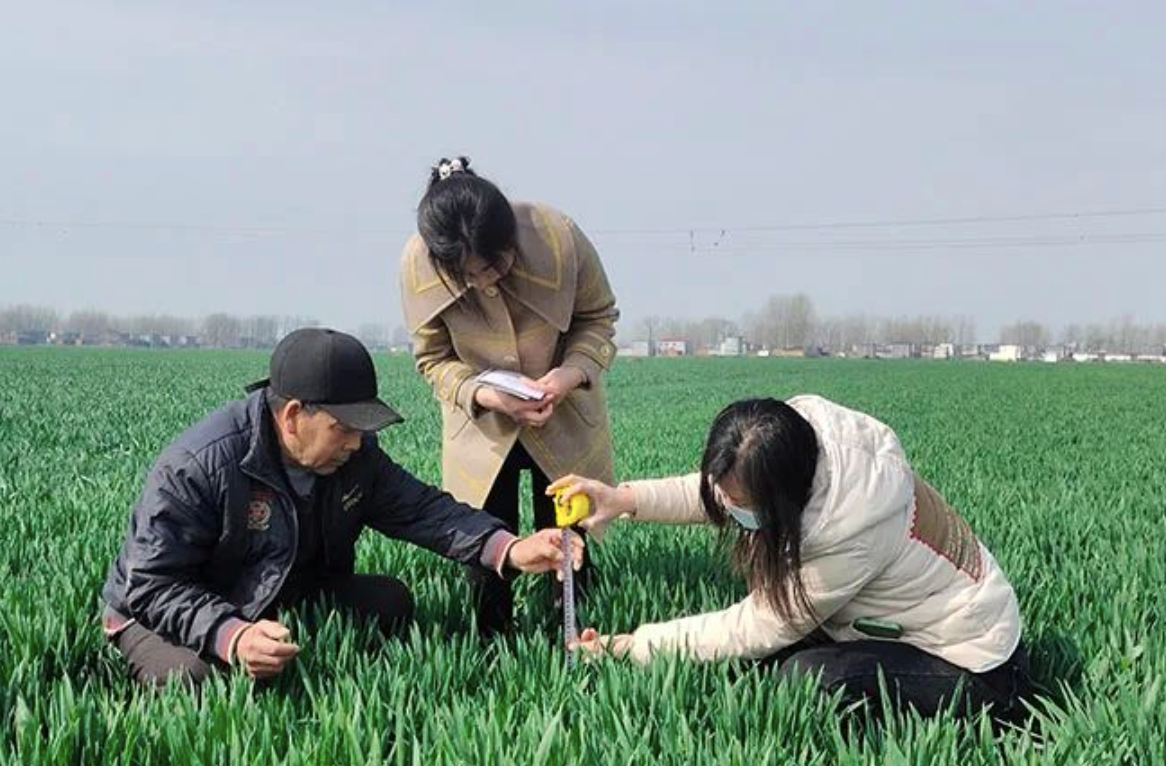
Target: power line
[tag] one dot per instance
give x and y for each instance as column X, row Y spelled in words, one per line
column 933, row 244
column 721, row 231
column 888, row 223
column 194, row 227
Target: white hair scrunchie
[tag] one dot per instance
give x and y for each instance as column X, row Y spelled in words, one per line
column 447, row 168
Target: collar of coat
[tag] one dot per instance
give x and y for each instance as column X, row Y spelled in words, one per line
column 543, row 278
column 264, row 458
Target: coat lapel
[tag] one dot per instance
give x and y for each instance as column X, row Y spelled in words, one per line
column 543, row 278
column 423, row 293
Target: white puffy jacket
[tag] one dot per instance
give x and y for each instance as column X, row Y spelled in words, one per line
column 877, row 542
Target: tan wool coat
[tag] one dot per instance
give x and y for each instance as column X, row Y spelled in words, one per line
column 553, row 308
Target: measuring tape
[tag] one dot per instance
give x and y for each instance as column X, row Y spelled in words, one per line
column 568, row 513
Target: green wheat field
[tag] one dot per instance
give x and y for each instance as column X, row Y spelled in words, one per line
column 1061, row 470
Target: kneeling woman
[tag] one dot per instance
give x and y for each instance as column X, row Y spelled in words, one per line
column 856, row 566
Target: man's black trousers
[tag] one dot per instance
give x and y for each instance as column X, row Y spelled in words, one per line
column 153, row 659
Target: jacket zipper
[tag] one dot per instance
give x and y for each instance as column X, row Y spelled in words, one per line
column 295, row 525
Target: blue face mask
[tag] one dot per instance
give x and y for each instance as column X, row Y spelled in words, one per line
column 743, row 516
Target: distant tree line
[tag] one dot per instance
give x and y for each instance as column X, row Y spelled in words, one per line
column 792, row 322
column 219, row 330
column 781, row 322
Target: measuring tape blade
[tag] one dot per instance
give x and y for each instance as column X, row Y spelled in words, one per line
column 567, row 514
column 569, row 629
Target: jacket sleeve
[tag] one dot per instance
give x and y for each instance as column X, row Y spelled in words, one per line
column 751, row 629
column 407, row 508
column 588, row 344
column 173, row 532
column 450, row 378
column 669, row 501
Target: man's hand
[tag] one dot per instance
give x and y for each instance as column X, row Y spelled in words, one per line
column 534, row 414
column 543, row 552
column 607, row 503
column 561, row 381
column 264, row 649
column 592, row 644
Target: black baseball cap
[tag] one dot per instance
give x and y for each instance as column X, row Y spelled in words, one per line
column 333, row 371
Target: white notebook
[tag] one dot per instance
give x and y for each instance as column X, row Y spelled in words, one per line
column 510, row 383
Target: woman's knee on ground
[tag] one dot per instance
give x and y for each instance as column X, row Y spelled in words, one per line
column 821, row 663
column 860, row 675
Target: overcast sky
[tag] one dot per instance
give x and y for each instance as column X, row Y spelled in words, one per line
column 267, row 157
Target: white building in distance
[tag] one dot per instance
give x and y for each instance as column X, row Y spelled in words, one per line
column 672, row 348
column 1005, row 353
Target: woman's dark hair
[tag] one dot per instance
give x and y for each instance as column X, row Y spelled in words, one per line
column 772, row 452
column 462, row 215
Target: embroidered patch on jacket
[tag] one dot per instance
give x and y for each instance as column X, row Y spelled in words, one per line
column 940, row 528
column 350, row 498
column 259, row 511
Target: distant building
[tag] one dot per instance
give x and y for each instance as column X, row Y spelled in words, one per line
column 110, row 338
column 147, row 340
column 637, row 349
column 1054, row 355
column 65, row 338
column 944, row 351
column 1119, row 358
column 1084, row 356
column 672, row 348
column 897, row 351
column 31, row 338
column 1006, row 353
column 733, row 345
column 864, row 351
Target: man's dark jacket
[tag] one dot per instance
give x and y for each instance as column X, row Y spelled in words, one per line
column 213, row 537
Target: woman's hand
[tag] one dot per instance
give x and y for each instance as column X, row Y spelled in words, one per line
column 592, row 644
column 607, row 503
column 526, row 413
column 561, row 381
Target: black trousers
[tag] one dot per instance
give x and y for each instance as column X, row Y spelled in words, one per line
column 494, row 597
column 912, row 677
column 154, row 660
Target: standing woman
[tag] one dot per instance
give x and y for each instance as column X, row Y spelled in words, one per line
column 856, row 566
column 491, row 284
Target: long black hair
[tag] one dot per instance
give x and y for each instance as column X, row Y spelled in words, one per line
column 772, row 452
column 462, row 215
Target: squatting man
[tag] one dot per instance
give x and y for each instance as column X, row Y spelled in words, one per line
column 258, row 508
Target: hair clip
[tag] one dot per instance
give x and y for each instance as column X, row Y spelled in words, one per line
column 447, row 168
